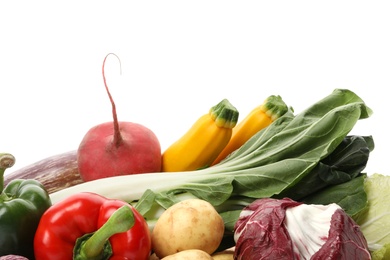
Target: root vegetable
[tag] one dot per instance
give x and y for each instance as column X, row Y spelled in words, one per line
column 56, row 172
column 13, row 257
column 189, row 224
column 189, row 254
column 118, row 148
column 227, row 254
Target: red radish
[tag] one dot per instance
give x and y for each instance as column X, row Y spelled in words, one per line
column 117, row 148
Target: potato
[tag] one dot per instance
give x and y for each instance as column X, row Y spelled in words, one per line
column 225, row 255
column 189, row 224
column 153, row 257
column 189, row 254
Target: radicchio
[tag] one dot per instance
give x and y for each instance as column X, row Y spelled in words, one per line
column 261, row 232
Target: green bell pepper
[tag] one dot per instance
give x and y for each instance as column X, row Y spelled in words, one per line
column 22, row 203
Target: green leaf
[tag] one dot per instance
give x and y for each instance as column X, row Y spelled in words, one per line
column 230, row 218
column 381, row 254
column 215, row 190
column 374, row 220
column 346, row 162
column 350, row 196
column 145, row 202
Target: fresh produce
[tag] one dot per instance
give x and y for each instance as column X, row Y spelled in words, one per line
column 202, row 143
column 189, row 224
column 260, row 117
column 22, row 203
column 117, row 148
column 189, row 254
column 13, row 257
column 273, row 160
column 285, row 229
column 227, row 254
column 374, row 220
column 345, row 163
column 87, row 225
column 55, row 173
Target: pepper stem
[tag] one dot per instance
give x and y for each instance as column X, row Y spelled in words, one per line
column 6, row 161
column 120, row 221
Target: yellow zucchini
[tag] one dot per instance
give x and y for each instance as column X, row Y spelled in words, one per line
column 260, row 117
column 202, row 143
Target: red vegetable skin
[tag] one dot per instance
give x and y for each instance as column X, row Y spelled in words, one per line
column 260, row 233
column 13, row 257
column 263, row 234
column 118, row 148
column 345, row 240
column 83, row 213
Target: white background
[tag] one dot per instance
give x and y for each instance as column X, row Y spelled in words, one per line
column 178, row 59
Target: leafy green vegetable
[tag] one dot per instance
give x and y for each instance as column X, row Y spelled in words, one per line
column 275, row 159
column 375, row 218
column 350, row 195
column 331, row 181
column 382, row 253
column 279, row 156
column 346, row 162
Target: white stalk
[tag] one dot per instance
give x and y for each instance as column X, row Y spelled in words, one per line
column 127, row 187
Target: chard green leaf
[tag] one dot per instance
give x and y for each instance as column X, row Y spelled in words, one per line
column 220, row 190
column 230, row 218
column 350, row 195
column 145, row 203
column 346, row 162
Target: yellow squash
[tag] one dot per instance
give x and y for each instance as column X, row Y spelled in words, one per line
column 202, row 143
column 260, row 117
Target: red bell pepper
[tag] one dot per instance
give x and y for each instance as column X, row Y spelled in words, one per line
column 89, row 226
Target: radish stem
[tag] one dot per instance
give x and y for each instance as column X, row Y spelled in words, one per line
column 117, row 134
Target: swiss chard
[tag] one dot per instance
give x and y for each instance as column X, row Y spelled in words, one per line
column 345, row 163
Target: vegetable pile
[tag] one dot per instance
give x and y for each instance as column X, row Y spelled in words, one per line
column 312, row 147
column 252, row 190
column 273, row 161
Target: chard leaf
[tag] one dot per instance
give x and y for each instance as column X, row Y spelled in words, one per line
column 230, row 218
column 145, row 203
column 292, row 153
column 220, row 190
column 270, row 179
column 346, row 162
column 320, row 127
column 350, row 195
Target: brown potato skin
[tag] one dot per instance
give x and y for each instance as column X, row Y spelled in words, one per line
column 189, row 224
column 225, row 255
column 189, row 254
column 55, row 173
